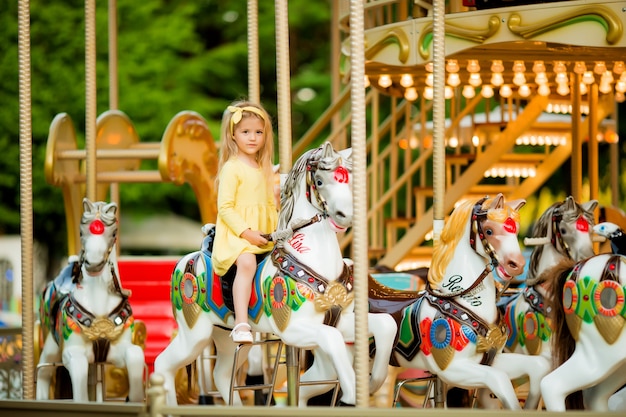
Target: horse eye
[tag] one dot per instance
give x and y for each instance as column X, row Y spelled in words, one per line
column 563, row 230
column 319, row 182
column 489, row 231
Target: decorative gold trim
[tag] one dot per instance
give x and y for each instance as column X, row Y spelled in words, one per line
column 534, row 345
column 281, row 316
column 334, row 295
column 102, row 328
column 443, row 357
column 495, row 339
column 609, row 327
column 191, row 312
column 606, row 17
column 465, row 33
column 393, row 36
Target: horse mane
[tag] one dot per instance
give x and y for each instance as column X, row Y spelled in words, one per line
column 295, row 184
column 543, row 228
column 563, row 343
column 448, row 241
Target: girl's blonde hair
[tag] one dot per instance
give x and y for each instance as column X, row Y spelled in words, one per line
column 228, row 147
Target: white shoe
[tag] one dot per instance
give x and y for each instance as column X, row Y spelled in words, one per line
column 241, row 333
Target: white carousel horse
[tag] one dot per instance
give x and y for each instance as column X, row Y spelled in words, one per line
column 453, row 329
column 300, row 290
column 589, row 337
column 563, row 231
column 85, row 314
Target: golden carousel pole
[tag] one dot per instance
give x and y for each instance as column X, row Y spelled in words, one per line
column 90, row 97
column 26, row 201
column 359, row 195
column 439, row 130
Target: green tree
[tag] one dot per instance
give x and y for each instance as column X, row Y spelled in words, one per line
column 173, row 56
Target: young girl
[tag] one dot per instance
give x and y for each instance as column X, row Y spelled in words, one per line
column 246, row 208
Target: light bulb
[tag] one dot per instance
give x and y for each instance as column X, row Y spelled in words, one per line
column 487, row 91
column 588, row 78
column 543, row 90
column 468, row 91
column 453, row 79
column 559, row 66
column 384, row 81
column 410, row 94
column 518, row 66
column 452, row 65
column 561, row 77
column 366, row 81
column 563, row 89
column 429, row 79
column 538, row 67
column 448, row 92
column 583, row 89
column 600, row 67
column 541, row 78
column 620, row 86
column 524, row 90
column 406, row 80
column 429, row 66
column 580, row 67
column 472, row 66
column 475, row 80
column 519, row 78
column 505, row 91
column 496, row 65
column 618, row 67
column 605, row 87
column 497, row 79
column 428, row 93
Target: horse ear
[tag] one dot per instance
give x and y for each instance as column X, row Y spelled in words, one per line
column 590, row 205
column 87, row 205
column 515, row 205
column 570, row 203
column 327, row 150
column 497, row 202
column 346, row 154
column 110, row 208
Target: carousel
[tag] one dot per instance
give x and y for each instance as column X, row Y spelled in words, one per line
column 419, row 281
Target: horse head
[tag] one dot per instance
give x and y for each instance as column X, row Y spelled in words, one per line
column 490, row 230
column 98, row 234
column 564, row 231
column 327, row 188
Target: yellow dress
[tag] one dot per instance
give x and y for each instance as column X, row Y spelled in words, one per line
column 243, row 202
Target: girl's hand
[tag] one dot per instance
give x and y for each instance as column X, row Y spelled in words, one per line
column 255, row 237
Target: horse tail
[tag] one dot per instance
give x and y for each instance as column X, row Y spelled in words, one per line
column 62, row 384
column 563, row 342
column 190, row 375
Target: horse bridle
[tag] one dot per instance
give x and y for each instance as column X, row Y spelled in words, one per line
column 311, row 168
column 476, row 231
column 557, row 217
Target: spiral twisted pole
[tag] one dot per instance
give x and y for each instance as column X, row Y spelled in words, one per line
column 26, row 200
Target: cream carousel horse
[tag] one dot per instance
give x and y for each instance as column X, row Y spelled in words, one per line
column 300, row 291
column 85, row 314
column 589, row 339
column 453, row 329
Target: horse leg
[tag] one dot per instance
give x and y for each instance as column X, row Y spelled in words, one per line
column 77, row 364
column 517, row 365
column 330, row 341
column 224, row 359
column 321, row 369
column 580, row 371
column 470, row 374
column 383, row 328
column 182, row 350
column 135, row 366
column 597, row 397
column 49, row 354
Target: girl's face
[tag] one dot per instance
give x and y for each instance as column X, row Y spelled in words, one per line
column 249, row 135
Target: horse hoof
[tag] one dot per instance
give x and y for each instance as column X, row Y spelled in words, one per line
column 206, row 400
column 342, row 404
